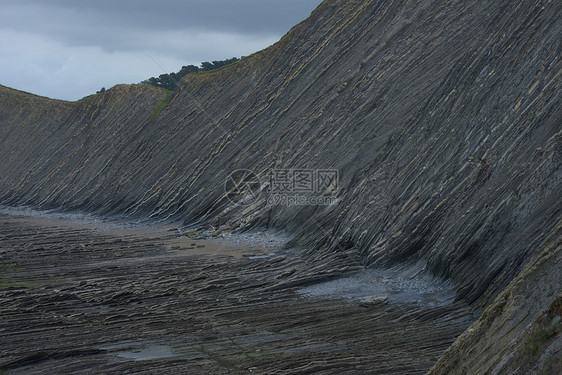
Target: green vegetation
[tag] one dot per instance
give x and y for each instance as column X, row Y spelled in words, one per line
column 15, row 284
column 553, row 365
column 191, row 234
column 161, row 105
column 169, row 81
column 545, row 329
column 8, row 281
column 539, row 337
column 9, row 267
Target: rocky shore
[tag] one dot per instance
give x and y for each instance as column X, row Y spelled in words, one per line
column 75, row 298
column 441, row 122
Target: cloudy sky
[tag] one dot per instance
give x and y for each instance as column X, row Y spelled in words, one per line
column 67, row 49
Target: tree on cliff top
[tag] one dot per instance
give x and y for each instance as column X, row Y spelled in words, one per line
column 169, row 80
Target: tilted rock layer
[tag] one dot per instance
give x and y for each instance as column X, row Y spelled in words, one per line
column 443, row 119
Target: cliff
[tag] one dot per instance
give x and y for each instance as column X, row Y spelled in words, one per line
column 442, row 119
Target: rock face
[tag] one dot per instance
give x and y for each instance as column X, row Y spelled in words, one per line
column 442, row 119
column 374, row 300
column 519, row 333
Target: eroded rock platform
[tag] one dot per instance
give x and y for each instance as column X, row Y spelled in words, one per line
column 75, row 299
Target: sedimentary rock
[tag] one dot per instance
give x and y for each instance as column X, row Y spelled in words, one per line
column 442, row 119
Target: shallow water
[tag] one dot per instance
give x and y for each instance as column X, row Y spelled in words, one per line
column 264, row 240
column 252, row 239
column 148, row 353
column 402, row 285
column 80, row 218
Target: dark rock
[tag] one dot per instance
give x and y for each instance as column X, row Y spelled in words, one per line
column 442, row 119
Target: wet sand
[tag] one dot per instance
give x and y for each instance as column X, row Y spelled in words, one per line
column 88, row 299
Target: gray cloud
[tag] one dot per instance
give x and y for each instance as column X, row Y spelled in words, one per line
column 226, row 15
column 46, row 45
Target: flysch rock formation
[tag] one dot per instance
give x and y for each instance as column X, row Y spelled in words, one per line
column 442, row 118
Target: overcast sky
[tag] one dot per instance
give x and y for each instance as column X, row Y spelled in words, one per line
column 67, row 49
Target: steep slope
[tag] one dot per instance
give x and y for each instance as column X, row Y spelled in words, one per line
column 52, row 150
column 442, row 118
column 514, row 335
